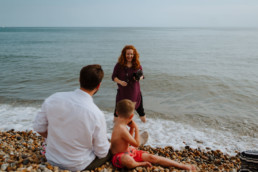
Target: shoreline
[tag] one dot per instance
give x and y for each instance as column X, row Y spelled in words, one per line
column 165, row 130
column 20, row 151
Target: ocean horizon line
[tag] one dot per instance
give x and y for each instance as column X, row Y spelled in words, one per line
column 177, row 27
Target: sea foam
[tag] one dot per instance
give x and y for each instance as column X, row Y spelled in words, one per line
column 162, row 132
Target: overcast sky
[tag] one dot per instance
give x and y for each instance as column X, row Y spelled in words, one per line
column 129, row 13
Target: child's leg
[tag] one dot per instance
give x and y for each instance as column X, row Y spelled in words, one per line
column 165, row 162
column 129, row 162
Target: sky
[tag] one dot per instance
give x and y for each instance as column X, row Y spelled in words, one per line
column 130, row 13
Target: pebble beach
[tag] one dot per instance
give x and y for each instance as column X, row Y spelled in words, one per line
column 21, row 151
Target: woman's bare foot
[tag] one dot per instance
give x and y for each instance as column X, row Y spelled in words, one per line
column 143, row 118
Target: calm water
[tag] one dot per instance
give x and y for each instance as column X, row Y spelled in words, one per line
column 201, row 84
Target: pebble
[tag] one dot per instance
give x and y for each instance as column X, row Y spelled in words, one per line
column 4, row 167
column 20, row 151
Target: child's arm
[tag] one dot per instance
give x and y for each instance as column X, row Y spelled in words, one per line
column 131, row 128
column 128, row 136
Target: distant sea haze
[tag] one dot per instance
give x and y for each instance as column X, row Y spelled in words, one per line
column 200, row 87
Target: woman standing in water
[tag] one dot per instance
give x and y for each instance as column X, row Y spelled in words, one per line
column 127, row 74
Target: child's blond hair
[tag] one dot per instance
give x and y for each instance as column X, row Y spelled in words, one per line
column 125, row 108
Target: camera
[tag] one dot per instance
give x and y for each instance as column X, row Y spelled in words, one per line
column 137, row 75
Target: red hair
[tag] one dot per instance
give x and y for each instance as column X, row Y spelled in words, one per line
column 135, row 62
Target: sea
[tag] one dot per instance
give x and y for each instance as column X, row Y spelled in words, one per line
column 200, row 87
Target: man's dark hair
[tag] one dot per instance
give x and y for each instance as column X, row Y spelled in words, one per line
column 91, row 76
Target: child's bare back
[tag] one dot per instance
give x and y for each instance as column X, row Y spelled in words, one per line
column 118, row 144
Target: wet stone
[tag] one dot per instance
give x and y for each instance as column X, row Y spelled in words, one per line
column 25, row 161
column 24, row 156
column 4, row 167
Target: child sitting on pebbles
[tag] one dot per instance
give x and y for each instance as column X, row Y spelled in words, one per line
column 128, row 156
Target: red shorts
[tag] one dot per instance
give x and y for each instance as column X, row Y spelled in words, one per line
column 133, row 152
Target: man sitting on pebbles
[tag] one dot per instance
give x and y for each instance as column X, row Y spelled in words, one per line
column 128, row 156
column 74, row 126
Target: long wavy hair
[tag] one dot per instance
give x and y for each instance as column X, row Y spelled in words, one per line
column 135, row 62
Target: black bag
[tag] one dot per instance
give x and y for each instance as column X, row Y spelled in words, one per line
column 249, row 161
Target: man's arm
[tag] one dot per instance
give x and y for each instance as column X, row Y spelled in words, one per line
column 40, row 122
column 100, row 142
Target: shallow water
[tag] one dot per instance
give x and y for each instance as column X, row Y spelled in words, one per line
column 200, row 85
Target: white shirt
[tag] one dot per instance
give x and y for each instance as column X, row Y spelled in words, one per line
column 76, row 129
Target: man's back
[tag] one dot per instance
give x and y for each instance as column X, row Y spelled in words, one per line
column 76, row 129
